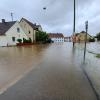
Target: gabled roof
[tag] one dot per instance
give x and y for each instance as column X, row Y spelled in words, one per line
column 56, row 35
column 85, row 33
column 4, row 27
column 34, row 26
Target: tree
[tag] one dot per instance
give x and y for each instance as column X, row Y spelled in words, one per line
column 98, row 36
column 41, row 37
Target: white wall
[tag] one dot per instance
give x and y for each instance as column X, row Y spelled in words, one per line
column 57, row 39
column 12, row 32
column 3, row 41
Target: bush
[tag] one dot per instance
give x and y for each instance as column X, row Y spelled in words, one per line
column 27, row 41
column 19, row 40
column 30, row 40
column 92, row 40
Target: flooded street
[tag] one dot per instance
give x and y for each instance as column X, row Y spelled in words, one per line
column 47, row 72
column 17, row 61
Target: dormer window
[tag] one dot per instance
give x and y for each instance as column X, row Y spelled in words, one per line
column 18, row 30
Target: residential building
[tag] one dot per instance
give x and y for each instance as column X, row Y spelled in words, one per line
column 30, row 29
column 10, row 32
column 56, row 37
column 80, row 37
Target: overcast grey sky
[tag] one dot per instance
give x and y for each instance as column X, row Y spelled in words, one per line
column 58, row 17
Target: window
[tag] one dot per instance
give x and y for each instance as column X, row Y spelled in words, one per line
column 29, row 32
column 13, row 39
column 18, row 30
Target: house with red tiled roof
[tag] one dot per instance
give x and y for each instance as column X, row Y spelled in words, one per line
column 56, row 37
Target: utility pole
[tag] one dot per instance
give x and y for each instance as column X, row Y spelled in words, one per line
column 74, row 22
column 86, row 27
column 12, row 16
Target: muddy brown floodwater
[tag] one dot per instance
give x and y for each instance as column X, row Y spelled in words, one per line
column 17, row 61
column 43, row 72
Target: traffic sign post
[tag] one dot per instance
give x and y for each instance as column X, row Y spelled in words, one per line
column 86, row 27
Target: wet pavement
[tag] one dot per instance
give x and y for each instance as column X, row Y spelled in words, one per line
column 92, row 65
column 55, row 74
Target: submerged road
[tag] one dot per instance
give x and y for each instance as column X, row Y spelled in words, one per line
column 57, row 77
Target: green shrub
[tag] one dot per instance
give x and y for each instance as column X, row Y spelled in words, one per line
column 30, row 40
column 92, row 40
column 19, row 40
column 27, row 41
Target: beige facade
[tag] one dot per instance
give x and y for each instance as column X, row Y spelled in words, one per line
column 80, row 37
column 28, row 29
column 17, row 30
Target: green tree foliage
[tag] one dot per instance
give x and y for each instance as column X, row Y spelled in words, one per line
column 41, row 37
column 98, row 36
column 19, row 40
column 91, row 39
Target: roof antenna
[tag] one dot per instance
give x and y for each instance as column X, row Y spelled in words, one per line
column 12, row 16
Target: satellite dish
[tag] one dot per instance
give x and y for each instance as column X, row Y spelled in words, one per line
column 44, row 8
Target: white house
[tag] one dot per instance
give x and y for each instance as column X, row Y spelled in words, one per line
column 3, row 40
column 30, row 28
column 56, row 37
column 10, row 32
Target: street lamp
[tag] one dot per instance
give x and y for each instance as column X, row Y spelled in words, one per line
column 44, row 8
column 12, row 16
column 86, row 27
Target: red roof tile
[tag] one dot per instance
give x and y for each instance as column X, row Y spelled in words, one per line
column 56, row 35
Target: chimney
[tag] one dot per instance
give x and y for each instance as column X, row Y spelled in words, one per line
column 3, row 20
